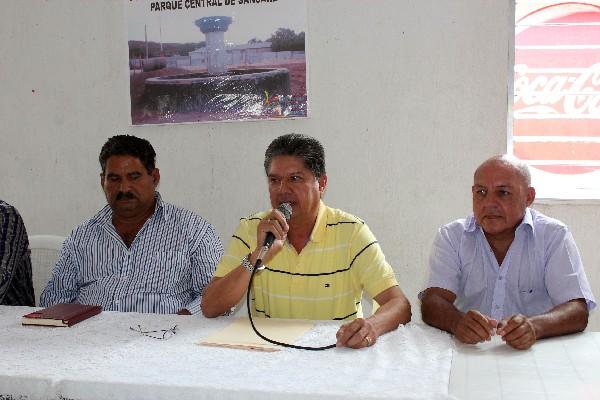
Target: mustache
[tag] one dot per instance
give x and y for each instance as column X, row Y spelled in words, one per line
column 284, row 200
column 125, row 195
column 492, row 211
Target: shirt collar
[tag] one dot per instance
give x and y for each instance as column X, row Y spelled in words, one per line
column 471, row 224
column 527, row 219
column 319, row 228
column 104, row 216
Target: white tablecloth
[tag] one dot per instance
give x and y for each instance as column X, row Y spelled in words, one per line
column 561, row 368
column 101, row 358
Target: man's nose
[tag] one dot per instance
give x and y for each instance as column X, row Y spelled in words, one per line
column 279, row 186
column 124, row 186
column 284, row 186
column 491, row 200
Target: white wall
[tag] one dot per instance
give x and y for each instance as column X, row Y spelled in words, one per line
column 404, row 123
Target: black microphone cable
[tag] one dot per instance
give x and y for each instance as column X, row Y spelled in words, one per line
column 257, row 265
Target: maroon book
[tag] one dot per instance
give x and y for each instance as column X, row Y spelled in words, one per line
column 64, row 314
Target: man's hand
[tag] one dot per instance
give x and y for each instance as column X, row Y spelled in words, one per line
column 356, row 334
column 394, row 309
column 276, row 224
column 517, row 331
column 474, row 327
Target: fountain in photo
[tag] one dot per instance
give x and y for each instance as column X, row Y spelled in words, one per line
column 238, row 90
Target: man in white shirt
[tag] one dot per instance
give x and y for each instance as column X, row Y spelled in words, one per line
column 506, row 269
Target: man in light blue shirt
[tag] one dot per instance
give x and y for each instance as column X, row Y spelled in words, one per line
column 139, row 253
column 507, row 268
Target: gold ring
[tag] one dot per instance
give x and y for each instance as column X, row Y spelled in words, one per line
column 369, row 340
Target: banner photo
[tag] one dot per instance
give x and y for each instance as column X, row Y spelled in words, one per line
column 219, row 60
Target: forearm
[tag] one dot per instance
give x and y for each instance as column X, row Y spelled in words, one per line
column 52, row 295
column 224, row 293
column 440, row 313
column 63, row 286
column 569, row 317
column 391, row 314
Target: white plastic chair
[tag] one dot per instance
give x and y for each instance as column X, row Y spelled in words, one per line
column 44, row 254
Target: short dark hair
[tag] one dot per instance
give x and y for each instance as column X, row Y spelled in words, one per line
column 128, row 145
column 309, row 149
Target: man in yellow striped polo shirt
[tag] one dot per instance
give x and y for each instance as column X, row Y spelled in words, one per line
column 320, row 262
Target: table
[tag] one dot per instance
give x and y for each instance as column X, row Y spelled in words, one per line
column 561, row 368
column 102, row 358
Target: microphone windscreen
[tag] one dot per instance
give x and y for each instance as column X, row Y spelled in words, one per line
column 286, row 210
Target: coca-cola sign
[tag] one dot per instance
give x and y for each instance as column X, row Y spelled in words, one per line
column 557, row 87
column 572, row 93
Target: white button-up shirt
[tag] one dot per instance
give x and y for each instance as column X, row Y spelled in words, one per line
column 541, row 269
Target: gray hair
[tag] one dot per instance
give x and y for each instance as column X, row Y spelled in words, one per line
column 510, row 161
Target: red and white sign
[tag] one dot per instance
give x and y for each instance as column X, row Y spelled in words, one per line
column 557, row 86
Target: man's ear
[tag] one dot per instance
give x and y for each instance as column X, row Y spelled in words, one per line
column 530, row 195
column 156, row 176
column 102, row 180
column 322, row 184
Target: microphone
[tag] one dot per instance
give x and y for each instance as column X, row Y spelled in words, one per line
column 286, row 210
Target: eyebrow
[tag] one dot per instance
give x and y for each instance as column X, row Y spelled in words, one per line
column 478, row 185
column 290, row 174
column 129, row 174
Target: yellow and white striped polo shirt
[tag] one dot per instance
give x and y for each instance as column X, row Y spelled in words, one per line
column 324, row 281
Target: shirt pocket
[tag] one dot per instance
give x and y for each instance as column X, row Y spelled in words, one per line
column 530, row 280
column 533, row 296
column 168, row 269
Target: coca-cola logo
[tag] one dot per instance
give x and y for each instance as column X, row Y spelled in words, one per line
column 557, row 86
column 575, row 94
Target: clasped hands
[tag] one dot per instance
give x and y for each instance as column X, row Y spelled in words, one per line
column 517, row 331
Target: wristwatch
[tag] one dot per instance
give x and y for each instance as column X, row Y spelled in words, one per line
column 247, row 264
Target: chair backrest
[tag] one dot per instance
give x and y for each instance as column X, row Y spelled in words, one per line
column 44, row 254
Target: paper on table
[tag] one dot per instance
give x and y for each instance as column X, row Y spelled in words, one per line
column 239, row 334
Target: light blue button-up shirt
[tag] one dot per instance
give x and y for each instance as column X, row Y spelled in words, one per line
column 166, row 269
column 541, row 269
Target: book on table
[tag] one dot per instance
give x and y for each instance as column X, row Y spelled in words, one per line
column 64, row 314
